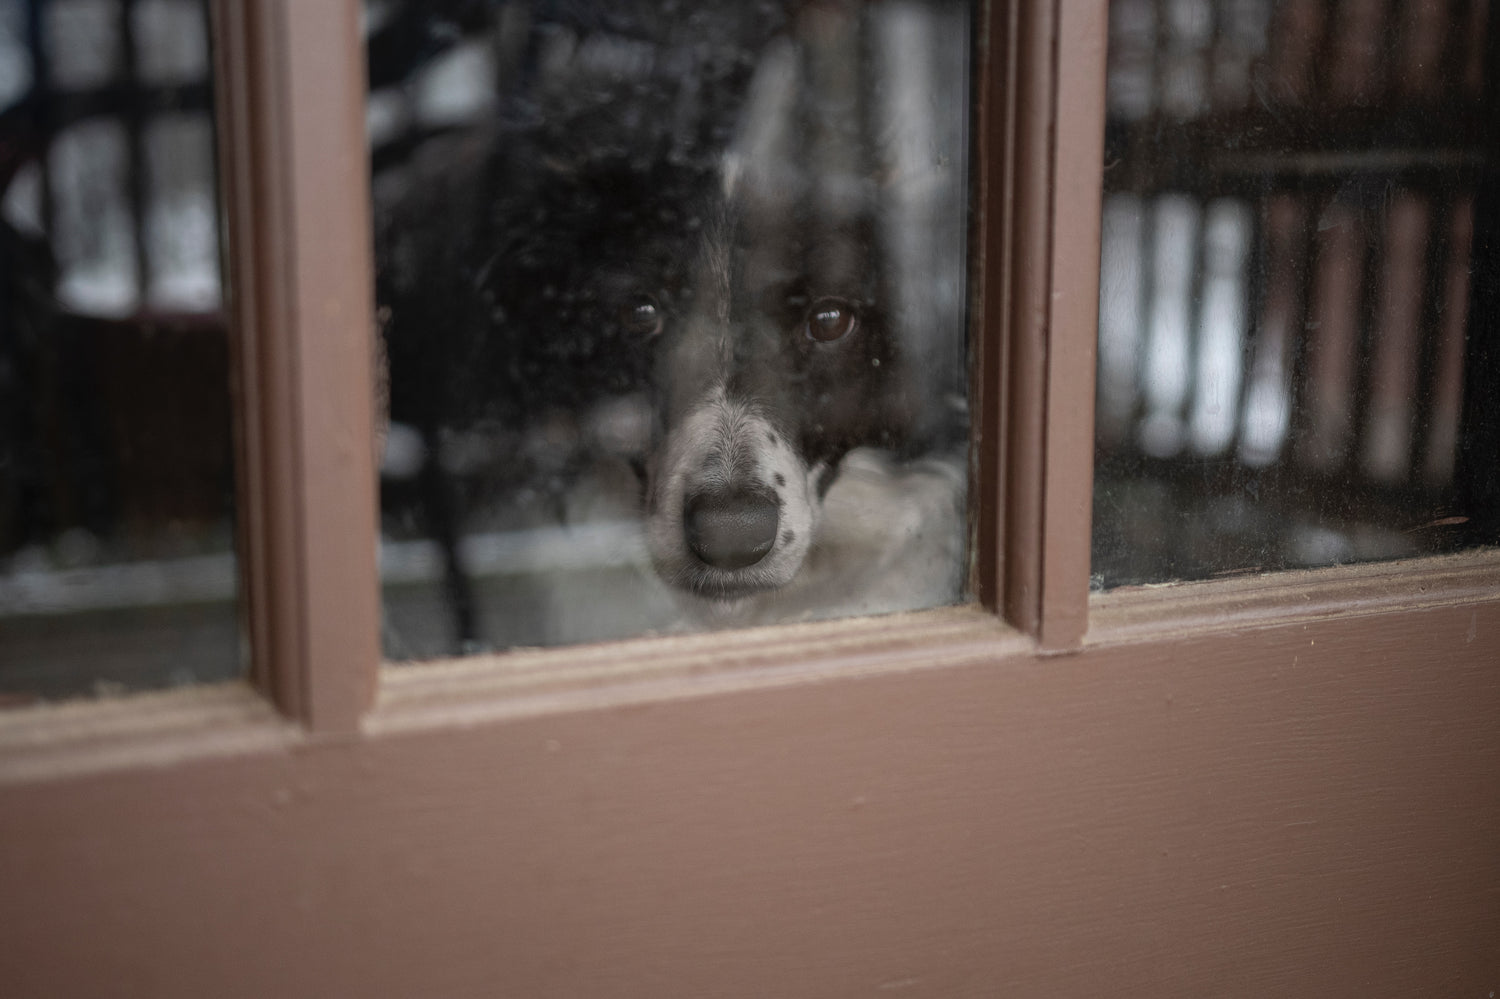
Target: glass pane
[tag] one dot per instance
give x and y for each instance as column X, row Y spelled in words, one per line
column 674, row 307
column 1299, row 218
column 116, row 527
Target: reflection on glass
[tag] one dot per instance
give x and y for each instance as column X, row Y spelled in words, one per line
column 116, row 564
column 1287, row 320
column 672, row 299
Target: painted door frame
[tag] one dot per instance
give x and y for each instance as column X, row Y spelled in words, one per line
column 1280, row 785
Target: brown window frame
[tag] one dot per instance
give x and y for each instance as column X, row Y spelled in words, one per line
column 295, row 177
column 1285, row 784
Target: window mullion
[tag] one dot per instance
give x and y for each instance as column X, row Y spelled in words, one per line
column 297, row 206
column 1073, row 287
column 1049, row 273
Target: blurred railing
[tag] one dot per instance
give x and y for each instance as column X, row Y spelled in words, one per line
column 116, row 473
column 1289, row 228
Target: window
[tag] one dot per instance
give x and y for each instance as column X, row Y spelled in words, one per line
column 1264, row 784
column 673, row 311
column 1288, row 327
column 117, row 567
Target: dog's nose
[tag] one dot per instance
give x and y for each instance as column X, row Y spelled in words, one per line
column 731, row 529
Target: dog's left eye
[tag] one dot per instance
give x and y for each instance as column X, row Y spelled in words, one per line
column 831, row 319
column 641, row 316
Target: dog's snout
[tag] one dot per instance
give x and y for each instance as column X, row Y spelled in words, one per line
column 731, row 529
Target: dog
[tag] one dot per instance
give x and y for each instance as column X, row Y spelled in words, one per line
column 680, row 266
column 770, row 364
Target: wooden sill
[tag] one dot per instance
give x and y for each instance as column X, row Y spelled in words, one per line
column 155, row 729
column 165, row 728
column 528, row 682
column 1146, row 613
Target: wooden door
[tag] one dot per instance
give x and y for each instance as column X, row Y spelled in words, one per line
column 1287, row 784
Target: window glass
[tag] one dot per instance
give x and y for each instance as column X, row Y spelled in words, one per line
column 116, row 557
column 1294, row 347
column 672, row 305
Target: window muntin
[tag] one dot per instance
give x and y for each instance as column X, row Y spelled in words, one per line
column 117, row 569
column 1287, row 318
column 543, row 182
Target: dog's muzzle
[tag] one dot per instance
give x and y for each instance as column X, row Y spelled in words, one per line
column 730, row 507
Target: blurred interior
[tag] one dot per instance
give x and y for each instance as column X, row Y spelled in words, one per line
column 1296, row 333
column 116, row 480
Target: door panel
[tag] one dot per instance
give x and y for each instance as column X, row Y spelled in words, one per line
column 1307, row 808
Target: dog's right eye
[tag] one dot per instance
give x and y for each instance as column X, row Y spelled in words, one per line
column 641, row 316
column 831, row 319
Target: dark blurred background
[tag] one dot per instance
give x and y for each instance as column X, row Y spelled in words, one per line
column 1296, row 333
column 116, row 481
